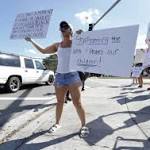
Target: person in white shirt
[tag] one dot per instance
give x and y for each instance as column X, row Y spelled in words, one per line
column 65, row 79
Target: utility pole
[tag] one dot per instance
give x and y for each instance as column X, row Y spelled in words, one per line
column 91, row 26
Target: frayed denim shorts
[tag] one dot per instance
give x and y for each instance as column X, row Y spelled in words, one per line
column 65, row 79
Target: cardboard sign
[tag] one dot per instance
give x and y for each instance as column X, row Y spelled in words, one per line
column 136, row 71
column 33, row 24
column 108, row 51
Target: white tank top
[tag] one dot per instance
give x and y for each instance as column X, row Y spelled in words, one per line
column 63, row 55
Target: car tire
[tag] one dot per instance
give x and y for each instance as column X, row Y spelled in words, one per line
column 50, row 80
column 13, row 84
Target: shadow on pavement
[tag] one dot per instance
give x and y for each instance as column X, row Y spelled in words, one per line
column 134, row 92
column 24, row 87
column 39, row 106
column 34, row 146
column 126, row 100
column 98, row 130
column 129, row 88
column 3, row 90
column 124, row 86
column 140, row 116
column 49, row 94
column 15, row 107
column 7, row 113
column 127, row 85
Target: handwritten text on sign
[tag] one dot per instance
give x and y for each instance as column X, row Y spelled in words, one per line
column 107, row 51
column 33, row 24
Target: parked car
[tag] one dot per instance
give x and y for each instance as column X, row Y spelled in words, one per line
column 16, row 71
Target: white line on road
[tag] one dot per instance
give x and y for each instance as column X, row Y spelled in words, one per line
column 27, row 98
column 16, row 124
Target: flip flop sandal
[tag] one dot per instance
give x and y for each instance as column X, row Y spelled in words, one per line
column 54, row 128
column 84, row 132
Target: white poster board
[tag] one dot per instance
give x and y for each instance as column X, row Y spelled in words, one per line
column 108, row 51
column 136, row 71
column 33, row 24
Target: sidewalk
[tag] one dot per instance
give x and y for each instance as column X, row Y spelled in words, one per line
column 118, row 116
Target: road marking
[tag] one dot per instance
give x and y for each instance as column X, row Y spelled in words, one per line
column 15, row 125
column 27, row 98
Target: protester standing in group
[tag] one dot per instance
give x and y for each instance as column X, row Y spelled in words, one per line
column 65, row 79
column 138, row 63
column 67, row 97
column 140, row 78
column 146, row 64
column 134, row 79
column 83, row 76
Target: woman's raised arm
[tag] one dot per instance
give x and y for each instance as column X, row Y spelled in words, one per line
column 48, row 50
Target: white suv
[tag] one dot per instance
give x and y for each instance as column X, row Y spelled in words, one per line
column 18, row 70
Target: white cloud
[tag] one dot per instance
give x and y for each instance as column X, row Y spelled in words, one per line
column 88, row 16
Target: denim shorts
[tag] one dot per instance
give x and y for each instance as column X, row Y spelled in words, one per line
column 65, row 79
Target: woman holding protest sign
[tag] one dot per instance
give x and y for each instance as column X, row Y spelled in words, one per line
column 65, row 79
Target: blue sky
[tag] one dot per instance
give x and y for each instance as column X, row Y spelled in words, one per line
column 78, row 12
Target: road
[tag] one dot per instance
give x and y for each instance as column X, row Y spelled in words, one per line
column 117, row 114
column 35, row 96
column 32, row 96
column 28, row 98
column 29, row 91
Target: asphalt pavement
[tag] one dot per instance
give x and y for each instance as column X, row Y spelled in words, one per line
column 117, row 112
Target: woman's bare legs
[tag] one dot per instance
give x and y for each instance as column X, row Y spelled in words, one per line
column 60, row 95
column 140, row 79
column 76, row 98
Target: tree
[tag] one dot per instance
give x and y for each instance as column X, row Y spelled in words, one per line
column 50, row 62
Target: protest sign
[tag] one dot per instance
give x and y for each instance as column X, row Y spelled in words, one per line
column 136, row 71
column 34, row 24
column 108, row 51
